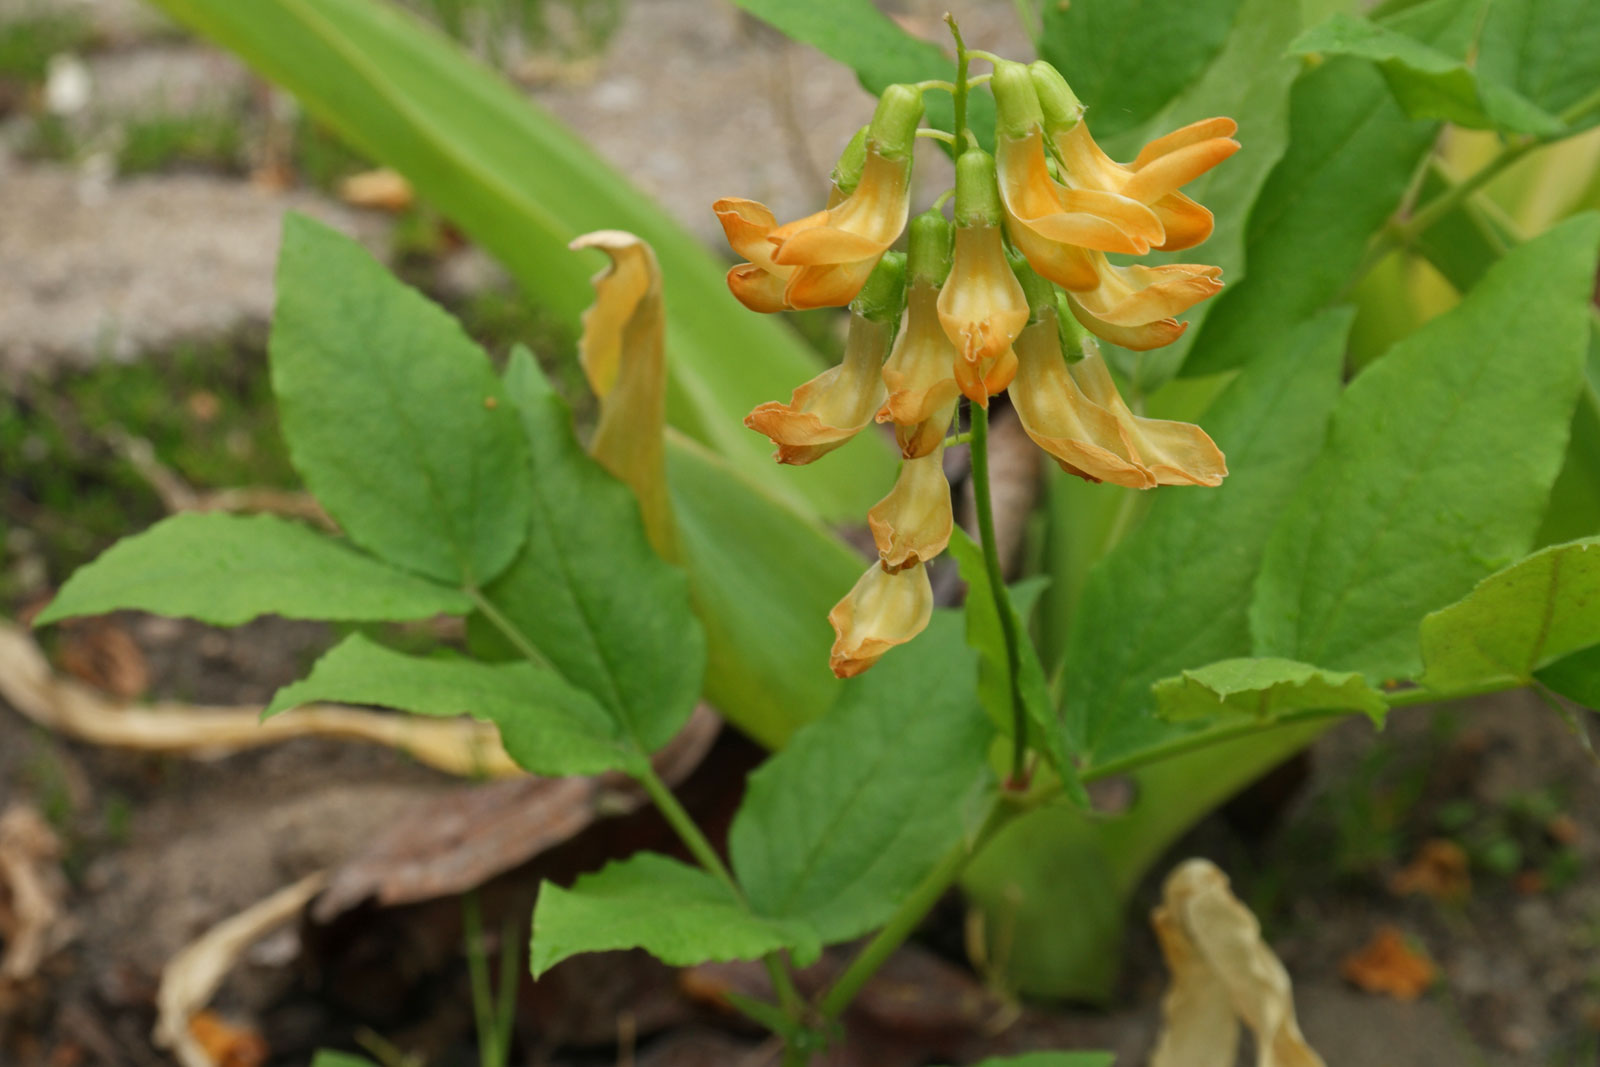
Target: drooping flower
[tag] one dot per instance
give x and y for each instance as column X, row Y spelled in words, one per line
column 823, row 259
column 1134, row 306
column 981, row 305
column 1175, row 453
column 1155, row 175
column 881, row 611
column 1081, row 435
column 913, row 523
column 920, row 373
column 837, row 404
column 623, row 356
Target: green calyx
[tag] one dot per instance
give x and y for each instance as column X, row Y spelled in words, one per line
column 893, row 133
column 847, row 172
column 1040, row 293
column 883, row 297
column 1061, row 106
column 1016, row 101
column 977, row 194
column 928, row 249
column 1076, row 342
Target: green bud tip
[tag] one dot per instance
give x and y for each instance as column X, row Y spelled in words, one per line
column 893, row 132
column 847, row 172
column 1041, row 294
column 883, row 297
column 1061, row 106
column 1016, row 101
column 928, row 248
column 977, row 195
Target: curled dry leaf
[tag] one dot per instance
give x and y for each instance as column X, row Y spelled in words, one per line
column 1387, row 964
column 226, row 1044
column 192, row 977
column 33, row 923
column 102, row 653
column 456, row 746
column 1222, row 973
column 1441, row 870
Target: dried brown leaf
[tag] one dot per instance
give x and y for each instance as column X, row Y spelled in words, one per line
column 1441, row 870
column 103, row 653
column 1222, row 973
column 228, row 1044
column 457, row 746
column 33, row 920
column 192, row 977
column 1388, row 964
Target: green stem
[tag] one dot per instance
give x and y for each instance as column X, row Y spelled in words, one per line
column 1451, row 198
column 483, row 1002
column 997, row 586
column 683, row 825
column 961, row 84
column 1580, row 108
column 909, row 915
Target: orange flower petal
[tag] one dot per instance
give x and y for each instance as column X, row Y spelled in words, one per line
column 913, row 523
column 834, row 406
column 882, row 610
column 1185, row 222
column 1088, row 218
column 1082, row 436
column 918, row 375
column 1140, row 338
column 990, row 377
column 1184, row 136
column 1165, row 174
column 1176, row 453
column 981, row 305
column 746, row 224
column 757, row 289
column 826, row 287
column 1132, row 296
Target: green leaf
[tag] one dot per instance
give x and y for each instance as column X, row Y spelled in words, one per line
column 1516, row 621
column 1547, row 50
column 840, row 826
column 1249, row 81
column 987, row 638
column 392, row 415
column 1176, row 592
column 1127, row 60
column 1428, row 83
column 1351, row 155
column 546, row 725
column 1265, row 689
column 679, row 914
column 1576, row 677
column 764, row 577
column 228, row 569
column 1395, row 520
column 587, row 590
column 857, row 34
column 1052, row 1059
column 523, row 186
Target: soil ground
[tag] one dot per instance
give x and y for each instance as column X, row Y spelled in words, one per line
column 168, row 274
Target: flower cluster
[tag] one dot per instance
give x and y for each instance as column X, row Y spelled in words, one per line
column 972, row 309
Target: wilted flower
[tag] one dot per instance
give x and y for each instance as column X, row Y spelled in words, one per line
column 884, row 609
column 623, row 356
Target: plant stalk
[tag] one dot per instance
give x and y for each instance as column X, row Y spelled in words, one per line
column 997, row 587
